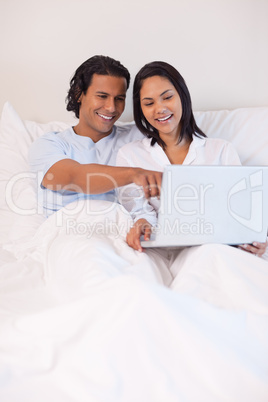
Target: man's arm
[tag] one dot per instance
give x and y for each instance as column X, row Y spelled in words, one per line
column 92, row 178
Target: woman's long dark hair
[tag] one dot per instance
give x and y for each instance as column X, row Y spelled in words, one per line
column 188, row 123
column 102, row 65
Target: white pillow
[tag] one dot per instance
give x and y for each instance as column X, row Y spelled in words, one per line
column 19, row 135
column 246, row 128
column 19, row 217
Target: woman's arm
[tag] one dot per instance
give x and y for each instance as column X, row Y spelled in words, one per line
column 133, row 199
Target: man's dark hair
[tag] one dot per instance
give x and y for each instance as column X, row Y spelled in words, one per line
column 188, row 124
column 102, row 65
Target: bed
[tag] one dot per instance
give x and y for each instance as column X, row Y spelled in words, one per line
column 67, row 334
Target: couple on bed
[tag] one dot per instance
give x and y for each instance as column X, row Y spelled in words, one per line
column 81, row 161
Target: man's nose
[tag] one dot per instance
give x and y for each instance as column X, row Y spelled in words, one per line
column 110, row 105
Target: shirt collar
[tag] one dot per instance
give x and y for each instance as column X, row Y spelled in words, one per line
column 83, row 138
column 196, row 143
column 191, row 155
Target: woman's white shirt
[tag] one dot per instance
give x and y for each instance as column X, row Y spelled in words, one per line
column 202, row 151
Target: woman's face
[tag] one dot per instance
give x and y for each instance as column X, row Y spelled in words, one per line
column 161, row 105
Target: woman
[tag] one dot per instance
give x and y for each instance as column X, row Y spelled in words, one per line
column 163, row 113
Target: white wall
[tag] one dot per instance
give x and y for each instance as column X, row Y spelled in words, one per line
column 219, row 46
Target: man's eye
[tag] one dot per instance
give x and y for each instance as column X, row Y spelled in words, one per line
column 102, row 96
column 120, row 99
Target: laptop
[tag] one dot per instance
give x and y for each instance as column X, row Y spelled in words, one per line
column 211, row 204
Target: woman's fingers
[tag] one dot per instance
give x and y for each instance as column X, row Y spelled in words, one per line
column 133, row 237
column 255, row 248
column 147, row 232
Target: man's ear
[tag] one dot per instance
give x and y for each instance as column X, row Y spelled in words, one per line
column 78, row 93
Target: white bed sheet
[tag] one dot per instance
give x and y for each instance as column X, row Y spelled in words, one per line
column 98, row 326
column 84, row 318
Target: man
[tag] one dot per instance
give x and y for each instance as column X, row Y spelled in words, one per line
column 78, row 162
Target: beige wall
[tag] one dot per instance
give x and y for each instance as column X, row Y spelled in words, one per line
column 219, row 46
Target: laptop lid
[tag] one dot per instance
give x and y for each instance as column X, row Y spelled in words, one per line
column 211, row 204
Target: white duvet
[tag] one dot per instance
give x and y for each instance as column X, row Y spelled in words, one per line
column 85, row 318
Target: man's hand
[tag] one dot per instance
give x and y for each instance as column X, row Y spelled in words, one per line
column 140, row 227
column 255, row 248
column 149, row 180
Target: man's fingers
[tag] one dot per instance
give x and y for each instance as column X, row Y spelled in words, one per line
column 159, row 183
column 153, row 185
column 154, row 190
column 150, row 182
column 144, row 183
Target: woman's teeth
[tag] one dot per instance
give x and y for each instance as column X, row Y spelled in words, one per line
column 165, row 118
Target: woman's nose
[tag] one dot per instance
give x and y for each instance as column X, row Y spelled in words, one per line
column 160, row 108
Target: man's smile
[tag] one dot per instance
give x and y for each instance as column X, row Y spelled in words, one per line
column 105, row 117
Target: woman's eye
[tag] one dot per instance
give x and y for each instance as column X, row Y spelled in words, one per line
column 168, row 97
column 148, row 104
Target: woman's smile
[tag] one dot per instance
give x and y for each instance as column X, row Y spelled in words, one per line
column 164, row 119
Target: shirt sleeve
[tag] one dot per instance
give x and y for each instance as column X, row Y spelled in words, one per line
column 44, row 153
column 132, row 196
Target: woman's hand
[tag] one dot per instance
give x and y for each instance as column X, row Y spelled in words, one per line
column 255, row 248
column 140, row 227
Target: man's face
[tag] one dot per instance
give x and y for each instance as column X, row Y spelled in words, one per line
column 101, row 106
